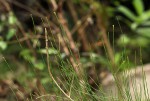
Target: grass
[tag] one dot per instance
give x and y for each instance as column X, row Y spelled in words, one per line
column 72, row 83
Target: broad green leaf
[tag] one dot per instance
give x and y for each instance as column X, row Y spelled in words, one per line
column 146, row 23
column 138, row 5
column 144, row 32
column 145, row 16
column 127, row 13
column 134, row 26
column 140, row 19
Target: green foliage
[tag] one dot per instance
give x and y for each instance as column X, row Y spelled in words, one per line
column 141, row 16
column 51, row 51
column 3, row 45
column 139, row 7
column 138, row 22
column 27, row 55
column 7, row 22
column 62, row 69
column 11, row 33
column 140, row 19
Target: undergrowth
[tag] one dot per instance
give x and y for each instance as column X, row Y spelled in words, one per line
column 69, row 81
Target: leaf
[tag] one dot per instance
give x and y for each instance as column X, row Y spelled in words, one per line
column 26, row 54
column 145, row 16
column 50, row 51
column 146, row 23
column 134, row 26
column 117, row 58
column 139, row 7
column 144, row 32
column 143, row 42
column 3, row 45
column 12, row 18
column 127, row 13
column 39, row 65
column 45, row 80
column 10, row 34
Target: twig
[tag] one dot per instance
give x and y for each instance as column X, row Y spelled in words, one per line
column 20, row 27
column 64, row 28
column 103, row 28
column 68, row 33
column 25, row 38
column 27, row 41
column 48, row 65
column 32, row 11
column 6, row 5
column 69, row 37
column 49, row 95
column 26, row 8
column 55, row 6
column 65, row 48
column 81, row 30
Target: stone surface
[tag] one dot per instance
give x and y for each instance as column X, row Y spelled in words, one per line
column 134, row 81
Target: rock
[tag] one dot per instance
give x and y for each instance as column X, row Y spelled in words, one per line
column 135, row 83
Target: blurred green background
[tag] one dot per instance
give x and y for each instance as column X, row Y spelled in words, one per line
column 122, row 25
